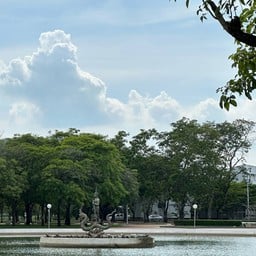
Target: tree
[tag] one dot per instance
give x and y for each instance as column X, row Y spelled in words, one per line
column 237, row 18
column 62, row 180
column 103, row 165
column 13, row 183
column 181, row 147
column 32, row 154
column 236, row 199
column 203, row 160
column 234, row 142
column 162, row 176
column 130, row 176
column 205, row 176
column 145, row 157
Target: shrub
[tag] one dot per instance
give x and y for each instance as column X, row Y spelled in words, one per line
column 214, row 223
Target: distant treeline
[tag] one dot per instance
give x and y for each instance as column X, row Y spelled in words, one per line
column 190, row 163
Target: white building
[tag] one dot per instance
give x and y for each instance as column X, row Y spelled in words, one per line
column 248, row 174
column 172, row 212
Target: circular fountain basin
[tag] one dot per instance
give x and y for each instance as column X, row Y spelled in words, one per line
column 99, row 242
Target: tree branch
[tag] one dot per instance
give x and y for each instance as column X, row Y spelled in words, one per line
column 233, row 27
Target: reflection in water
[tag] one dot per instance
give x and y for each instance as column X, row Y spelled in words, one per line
column 165, row 245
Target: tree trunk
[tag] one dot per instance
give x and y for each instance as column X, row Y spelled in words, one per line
column 166, row 207
column 2, row 212
column 145, row 217
column 14, row 213
column 126, row 213
column 58, row 215
column 181, row 210
column 67, row 215
column 146, row 213
column 209, row 210
column 43, row 215
column 28, row 210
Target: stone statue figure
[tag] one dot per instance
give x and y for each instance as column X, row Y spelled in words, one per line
column 93, row 227
column 96, row 206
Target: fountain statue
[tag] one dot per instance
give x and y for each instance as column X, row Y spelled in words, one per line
column 93, row 227
column 94, row 236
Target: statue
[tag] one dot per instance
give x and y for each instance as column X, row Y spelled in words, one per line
column 93, row 227
column 96, row 206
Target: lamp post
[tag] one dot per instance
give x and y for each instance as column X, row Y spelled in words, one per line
column 248, row 199
column 127, row 214
column 49, row 206
column 248, row 181
column 195, row 208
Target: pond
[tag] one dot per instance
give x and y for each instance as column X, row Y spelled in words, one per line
column 165, row 245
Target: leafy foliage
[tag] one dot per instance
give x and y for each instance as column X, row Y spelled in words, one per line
column 191, row 162
column 238, row 18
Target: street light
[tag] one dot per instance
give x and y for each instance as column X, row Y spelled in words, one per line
column 195, row 207
column 49, row 206
column 127, row 214
column 248, row 181
column 248, row 198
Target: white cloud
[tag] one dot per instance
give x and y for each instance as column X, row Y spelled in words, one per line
column 48, row 90
column 245, row 109
column 158, row 112
column 23, row 113
column 207, row 109
column 49, row 40
column 51, row 80
column 15, row 73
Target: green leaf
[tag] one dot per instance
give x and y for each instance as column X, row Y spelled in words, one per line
column 222, row 100
column 248, row 95
column 233, row 102
column 226, row 105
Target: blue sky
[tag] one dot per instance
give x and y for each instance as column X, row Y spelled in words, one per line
column 110, row 65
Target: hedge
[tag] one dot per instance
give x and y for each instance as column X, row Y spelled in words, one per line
column 216, row 223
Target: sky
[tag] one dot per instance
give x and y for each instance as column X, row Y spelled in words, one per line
column 110, row 65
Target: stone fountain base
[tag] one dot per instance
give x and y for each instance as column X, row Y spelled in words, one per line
column 135, row 241
column 95, row 236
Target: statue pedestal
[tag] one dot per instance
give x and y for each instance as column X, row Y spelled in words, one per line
column 104, row 242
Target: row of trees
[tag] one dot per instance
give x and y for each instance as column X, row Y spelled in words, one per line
column 190, row 163
column 64, row 169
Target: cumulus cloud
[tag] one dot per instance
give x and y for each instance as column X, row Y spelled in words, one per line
column 49, row 90
column 207, row 109
column 23, row 112
column 245, row 110
column 51, row 81
column 16, row 73
column 143, row 112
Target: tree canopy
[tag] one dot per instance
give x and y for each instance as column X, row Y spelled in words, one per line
column 189, row 163
column 238, row 19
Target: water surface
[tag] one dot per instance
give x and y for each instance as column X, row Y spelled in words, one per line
column 165, row 245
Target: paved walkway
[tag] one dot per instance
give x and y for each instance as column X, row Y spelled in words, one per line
column 132, row 229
